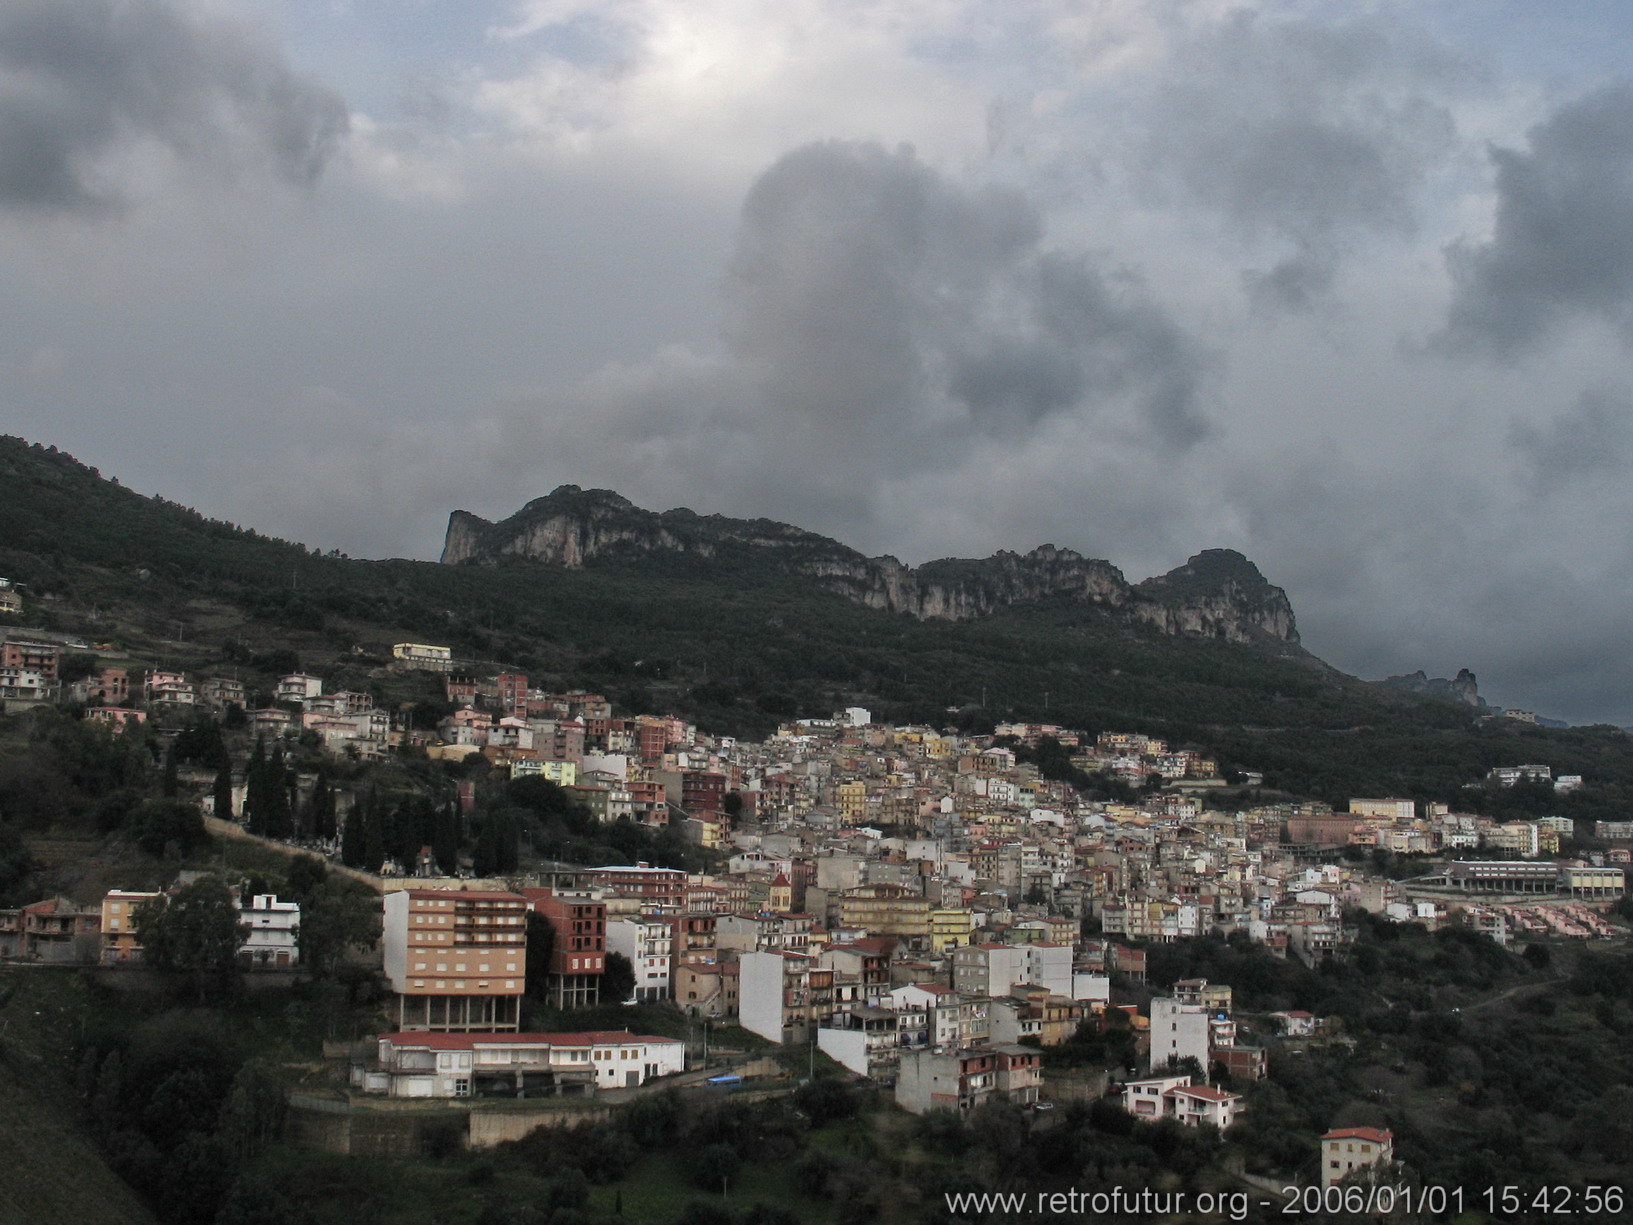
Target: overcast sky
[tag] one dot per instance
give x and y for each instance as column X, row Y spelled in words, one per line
column 1348, row 287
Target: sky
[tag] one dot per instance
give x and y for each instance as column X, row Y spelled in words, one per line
column 1346, row 287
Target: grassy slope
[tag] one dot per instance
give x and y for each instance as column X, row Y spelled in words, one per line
column 52, row 1171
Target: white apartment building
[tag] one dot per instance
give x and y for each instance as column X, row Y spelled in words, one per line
column 272, row 938
column 647, row 943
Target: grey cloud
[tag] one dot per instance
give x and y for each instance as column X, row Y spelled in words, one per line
column 868, row 289
column 1302, row 133
column 86, row 80
column 1422, row 564
column 1594, row 438
column 882, row 324
column 1295, row 284
column 1562, row 247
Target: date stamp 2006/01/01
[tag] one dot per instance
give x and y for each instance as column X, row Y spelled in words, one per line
column 1350, row 1199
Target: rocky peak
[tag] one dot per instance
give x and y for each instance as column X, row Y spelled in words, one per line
column 1218, row 593
column 1221, row 594
column 1463, row 687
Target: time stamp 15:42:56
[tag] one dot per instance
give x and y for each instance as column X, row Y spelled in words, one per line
column 1428, row 1201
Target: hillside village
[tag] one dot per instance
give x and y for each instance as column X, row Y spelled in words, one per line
column 928, row 909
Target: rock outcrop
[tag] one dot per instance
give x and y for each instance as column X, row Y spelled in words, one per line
column 1218, row 593
column 1463, row 687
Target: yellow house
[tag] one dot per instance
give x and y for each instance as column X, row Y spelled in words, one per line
column 119, row 946
column 950, row 929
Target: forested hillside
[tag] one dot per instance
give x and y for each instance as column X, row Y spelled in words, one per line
column 735, row 645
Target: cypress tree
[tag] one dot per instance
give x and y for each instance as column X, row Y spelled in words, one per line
column 172, row 781
column 485, row 862
column 351, row 842
column 510, row 844
column 278, row 821
column 323, row 807
column 255, row 802
column 374, row 841
column 223, row 791
column 445, row 841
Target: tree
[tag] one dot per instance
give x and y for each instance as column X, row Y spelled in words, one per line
column 255, row 800
column 198, row 933
column 170, row 787
column 541, row 947
column 278, row 822
column 715, row 1166
column 157, row 825
column 222, row 790
column 15, row 866
column 338, row 916
column 617, row 979
column 351, row 841
column 445, row 839
column 374, row 835
column 322, row 807
column 304, row 876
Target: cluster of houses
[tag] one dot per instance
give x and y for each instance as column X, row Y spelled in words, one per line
column 60, row 930
column 923, row 907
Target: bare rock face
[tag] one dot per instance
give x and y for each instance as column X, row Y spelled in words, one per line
column 1463, row 687
column 1217, row 594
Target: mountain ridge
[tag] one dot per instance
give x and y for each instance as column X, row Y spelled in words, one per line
column 1218, row 593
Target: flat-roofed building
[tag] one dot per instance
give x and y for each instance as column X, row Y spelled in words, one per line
column 271, row 933
column 578, row 957
column 457, row 958
column 119, row 944
column 420, row 657
column 416, row 1064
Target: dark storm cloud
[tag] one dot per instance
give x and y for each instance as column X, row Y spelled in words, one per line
column 867, row 289
column 1594, row 438
column 883, row 325
column 1562, row 247
column 84, row 80
column 1302, row 133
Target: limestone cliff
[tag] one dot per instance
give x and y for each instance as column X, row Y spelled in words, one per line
column 1217, row 593
column 1463, row 687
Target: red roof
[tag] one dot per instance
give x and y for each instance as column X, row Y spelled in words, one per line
column 464, row 1042
column 470, row 895
column 1376, row 1135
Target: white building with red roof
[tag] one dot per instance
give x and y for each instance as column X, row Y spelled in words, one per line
column 425, row 1064
column 1175, row 1097
column 1347, row 1149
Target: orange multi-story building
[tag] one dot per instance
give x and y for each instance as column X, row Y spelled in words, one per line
column 578, row 959
column 457, row 958
column 119, row 944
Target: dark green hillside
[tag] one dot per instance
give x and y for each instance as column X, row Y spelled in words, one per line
column 735, row 643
